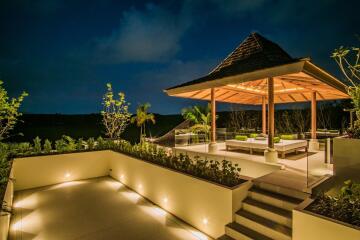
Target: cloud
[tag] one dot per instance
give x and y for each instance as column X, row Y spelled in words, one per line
column 151, row 35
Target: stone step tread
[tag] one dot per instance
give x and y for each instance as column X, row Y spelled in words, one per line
column 247, row 231
column 268, row 207
column 266, row 222
column 225, row 237
column 275, row 195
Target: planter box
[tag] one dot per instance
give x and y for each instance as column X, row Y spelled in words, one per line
column 205, row 205
column 311, row 226
column 346, row 158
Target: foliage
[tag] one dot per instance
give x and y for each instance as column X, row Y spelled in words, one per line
column 9, row 111
column 65, row 144
column 224, row 172
column 80, row 144
column 345, row 206
column 142, row 116
column 200, row 116
column 90, row 143
column 37, row 145
column 5, row 166
column 116, row 114
column 47, row 146
column 348, row 62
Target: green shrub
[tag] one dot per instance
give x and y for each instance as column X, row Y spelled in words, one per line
column 241, row 137
column 90, row 143
column 333, row 131
column 345, row 206
column 80, row 144
column 276, row 139
column 253, row 135
column 47, row 146
column 65, row 144
column 37, row 145
column 22, row 148
column 287, row 137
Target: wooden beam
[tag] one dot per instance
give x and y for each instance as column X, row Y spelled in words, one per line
column 271, row 112
column 197, row 92
column 313, row 115
column 213, row 116
column 263, row 115
column 232, row 95
column 303, row 95
column 292, row 98
column 226, row 92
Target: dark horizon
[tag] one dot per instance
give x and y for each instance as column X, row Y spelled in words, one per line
column 63, row 53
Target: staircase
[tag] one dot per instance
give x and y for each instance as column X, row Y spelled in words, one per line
column 266, row 214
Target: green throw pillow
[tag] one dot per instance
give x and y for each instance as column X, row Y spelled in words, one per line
column 253, row 135
column 276, row 139
column 241, row 137
column 287, row 137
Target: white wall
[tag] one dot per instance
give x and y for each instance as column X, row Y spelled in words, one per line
column 189, row 198
column 31, row 172
column 310, row 227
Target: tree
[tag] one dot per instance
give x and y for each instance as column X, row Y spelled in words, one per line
column 200, row 116
column 142, row 116
column 115, row 114
column 348, row 60
column 9, row 111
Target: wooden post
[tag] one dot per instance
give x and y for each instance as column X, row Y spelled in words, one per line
column 313, row 115
column 271, row 112
column 263, row 115
column 213, row 116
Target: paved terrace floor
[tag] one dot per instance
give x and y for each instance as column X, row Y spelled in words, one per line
column 99, row 208
column 302, row 169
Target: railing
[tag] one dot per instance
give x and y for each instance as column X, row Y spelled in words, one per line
column 319, row 162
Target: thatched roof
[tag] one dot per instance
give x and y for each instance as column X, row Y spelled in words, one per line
column 242, row 77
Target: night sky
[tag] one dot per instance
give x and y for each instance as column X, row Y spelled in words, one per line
column 64, row 52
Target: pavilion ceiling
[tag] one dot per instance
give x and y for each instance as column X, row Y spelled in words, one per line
column 290, row 88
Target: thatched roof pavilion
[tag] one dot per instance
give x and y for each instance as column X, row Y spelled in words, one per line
column 260, row 72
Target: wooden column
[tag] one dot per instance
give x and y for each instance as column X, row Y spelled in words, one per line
column 271, row 112
column 313, row 115
column 213, row 116
column 263, row 115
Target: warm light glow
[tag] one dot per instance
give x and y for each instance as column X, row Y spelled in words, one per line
column 205, row 221
column 140, row 186
column 165, row 199
column 28, row 202
column 122, row 177
column 132, row 196
column 250, row 89
column 288, row 90
column 199, row 235
column 67, row 175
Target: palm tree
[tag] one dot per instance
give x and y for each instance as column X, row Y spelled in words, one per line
column 200, row 116
column 142, row 116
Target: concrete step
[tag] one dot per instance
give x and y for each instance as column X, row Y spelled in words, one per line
column 225, row 237
column 273, row 198
column 270, row 212
column 262, row 225
column 240, row 232
column 281, row 190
